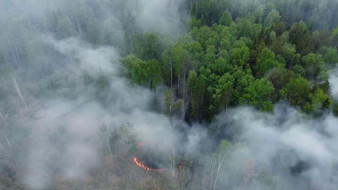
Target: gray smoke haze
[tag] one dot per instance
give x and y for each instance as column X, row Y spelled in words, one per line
column 65, row 134
column 333, row 79
column 165, row 16
column 284, row 150
column 66, row 95
column 74, row 90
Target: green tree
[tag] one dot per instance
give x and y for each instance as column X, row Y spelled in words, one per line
column 210, row 11
column 226, row 18
column 210, row 56
column 197, row 94
column 245, row 27
column 297, row 91
column 279, row 77
column 313, row 65
column 222, row 93
column 239, row 54
column 334, row 37
column 152, row 47
column 180, row 58
column 258, row 94
column 271, row 18
column 136, row 46
column 195, row 49
column 265, row 61
column 145, row 46
column 330, row 55
column 205, row 36
column 301, row 37
column 289, row 54
column 145, row 73
column 318, row 101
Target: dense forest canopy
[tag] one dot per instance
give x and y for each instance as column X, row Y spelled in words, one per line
column 206, row 94
column 257, row 56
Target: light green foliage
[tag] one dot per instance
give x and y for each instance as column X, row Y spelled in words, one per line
column 245, row 27
column 232, row 54
column 137, row 45
column 297, row 91
column 210, row 56
column 239, row 54
column 301, row 37
column 259, row 13
column 330, row 55
column 265, row 61
column 285, row 37
column 243, row 79
column 151, row 46
column 256, row 59
column 223, row 147
column 210, row 11
column 220, row 66
column 145, row 46
column 226, row 18
column 334, row 36
column 273, row 36
column 279, row 77
column 258, row 94
column 180, row 58
column 145, row 73
column 222, row 93
column 194, row 23
column 205, row 36
column 313, row 65
column 272, row 18
column 195, row 50
column 288, row 53
column 196, row 89
column 318, row 101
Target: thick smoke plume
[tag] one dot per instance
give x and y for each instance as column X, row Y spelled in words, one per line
column 283, row 150
column 68, row 99
column 66, row 104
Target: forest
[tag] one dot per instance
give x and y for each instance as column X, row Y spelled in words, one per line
column 168, row 94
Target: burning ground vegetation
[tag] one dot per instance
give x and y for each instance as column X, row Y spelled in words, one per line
column 117, row 168
column 125, row 163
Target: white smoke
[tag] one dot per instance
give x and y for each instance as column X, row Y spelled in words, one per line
column 333, row 79
column 283, row 150
column 61, row 136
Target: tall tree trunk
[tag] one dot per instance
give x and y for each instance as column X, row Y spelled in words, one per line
column 18, row 91
column 15, row 58
column 78, row 25
column 171, row 88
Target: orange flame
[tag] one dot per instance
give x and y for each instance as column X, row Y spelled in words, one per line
column 141, row 165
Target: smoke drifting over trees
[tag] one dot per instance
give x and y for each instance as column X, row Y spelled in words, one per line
column 232, row 94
